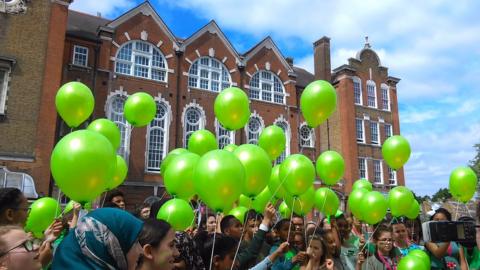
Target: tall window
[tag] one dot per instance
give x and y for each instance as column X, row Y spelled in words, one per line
column 141, row 59
column 210, row 74
column 80, row 55
column 115, row 113
column 254, row 127
column 157, row 138
column 371, row 94
column 224, row 136
column 388, row 130
column 193, row 121
column 266, row 86
column 357, row 90
column 362, row 168
column 4, row 74
column 284, row 126
column 385, row 97
column 392, row 177
column 374, row 133
column 306, row 136
column 377, row 171
column 359, row 130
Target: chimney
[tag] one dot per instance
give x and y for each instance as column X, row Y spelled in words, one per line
column 321, row 59
column 289, row 61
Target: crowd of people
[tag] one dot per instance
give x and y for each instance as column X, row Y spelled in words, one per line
column 112, row 238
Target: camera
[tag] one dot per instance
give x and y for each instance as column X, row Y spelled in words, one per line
column 446, row 231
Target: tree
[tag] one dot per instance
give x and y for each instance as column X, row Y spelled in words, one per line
column 442, row 195
column 475, row 162
column 421, row 199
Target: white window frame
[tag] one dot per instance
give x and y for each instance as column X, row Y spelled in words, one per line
column 20, row 180
column 285, row 126
column 380, row 167
column 392, row 177
column 256, row 134
column 385, row 98
column 371, row 86
column 119, row 119
column 78, row 53
column 274, row 82
column 149, row 55
column 230, row 136
column 4, row 90
column 309, row 141
column 372, row 141
column 362, row 140
column 358, row 81
column 388, row 129
column 362, row 161
column 195, row 71
column 201, row 121
column 156, row 124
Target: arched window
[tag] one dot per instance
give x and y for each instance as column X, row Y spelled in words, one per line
column 193, row 120
column 115, row 113
column 371, row 94
column 266, row 86
column 210, row 74
column 141, row 59
column 157, row 138
column 254, row 128
column 283, row 124
column 306, row 136
column 224, row 136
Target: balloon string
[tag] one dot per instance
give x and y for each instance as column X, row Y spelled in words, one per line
column 468, row 211
column 241, row 236
column 291, row 217
column 371, row 236
column 58, row 203
column 279, row 186
column 317, row 223
column 194, row 213
column 213, row 245
column 104, row 198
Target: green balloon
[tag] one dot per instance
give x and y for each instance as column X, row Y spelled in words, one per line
column 178, row 178
column 297, row 174
column 355, row 201
column 463, row 183
column 396, row 151
column 219, row 178
column 170, row 156
column 42, row 213
column 422, row 255
column 362, row 183
column 400, row 200
column 326, row 201
column 178, row 213
column 257, row 168
column 75, row 103
column 273, row 141
column 304, row 203
column 230, row 147
column 232, row 108
column 412, row 263
column 414, row 210
column 140, row 109
column 284, row 211
column 275, row 185
column 108, row 129
column 239, row 212
column 82, row 163
column 68, row 207
column 120, row 174
column 373, row 207
column 87, row 206
column 330, row 167
column 318, row 102
column 261, row 200
column 245, row 201
column 202, row 141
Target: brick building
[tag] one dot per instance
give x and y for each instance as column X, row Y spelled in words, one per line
column 138, row 52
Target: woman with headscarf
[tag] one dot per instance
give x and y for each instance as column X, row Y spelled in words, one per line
column 106, row 238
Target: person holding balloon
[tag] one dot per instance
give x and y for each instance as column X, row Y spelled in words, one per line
column 401, row 238
column 13, row 207
column 293, row 258
column 18, row 250
column 385, row 256
column 317, row 255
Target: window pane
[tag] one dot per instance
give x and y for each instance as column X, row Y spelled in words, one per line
column 371, row 95
column 374, row 132
column 306, row 136
column 141, row 46
column 377, row 171
column 194, row 68
column 215, row 63
column 359, row 127
column 125, row 52
column 204, row 73
column 192, row 123
column 158, row 75
column 362, row 168
column 253, row 130
column 357, row 92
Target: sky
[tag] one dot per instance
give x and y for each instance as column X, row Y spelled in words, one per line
column 432, row 45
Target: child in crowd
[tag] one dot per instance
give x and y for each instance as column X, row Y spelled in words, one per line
column 385, row 256
column 293, row 258
column 317, row 255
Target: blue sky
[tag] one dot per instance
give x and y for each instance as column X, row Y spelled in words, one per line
column 433, row 46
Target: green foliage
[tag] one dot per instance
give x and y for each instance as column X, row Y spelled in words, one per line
column 442, row 195
column 475, row 162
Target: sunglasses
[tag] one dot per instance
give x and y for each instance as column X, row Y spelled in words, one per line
column 29, row 245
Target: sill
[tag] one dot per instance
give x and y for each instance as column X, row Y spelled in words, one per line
column 79, row 68
column 373, row 108
column 116, row 75
column 152, row 172
column 204, row 90
column 268, row 102
column 308, row 147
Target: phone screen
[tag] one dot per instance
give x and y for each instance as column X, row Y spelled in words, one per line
column 460, row 231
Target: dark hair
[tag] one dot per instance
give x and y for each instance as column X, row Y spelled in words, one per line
column 10, row 198
column 252, row 214
column 280, row 223
column 138, row 210
column 318, row 237
column 224, row 245
column 153, row 232
column 226, row 222
column 443, row 211
column 113, row 193
column 379, row 230
column 110, row 205
column 156, row 207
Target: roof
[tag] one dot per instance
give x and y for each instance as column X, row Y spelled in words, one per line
column 304, row 77
column 84, row 25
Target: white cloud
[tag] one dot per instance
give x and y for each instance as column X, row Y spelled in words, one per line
column 418, row 116
column 107, row 8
